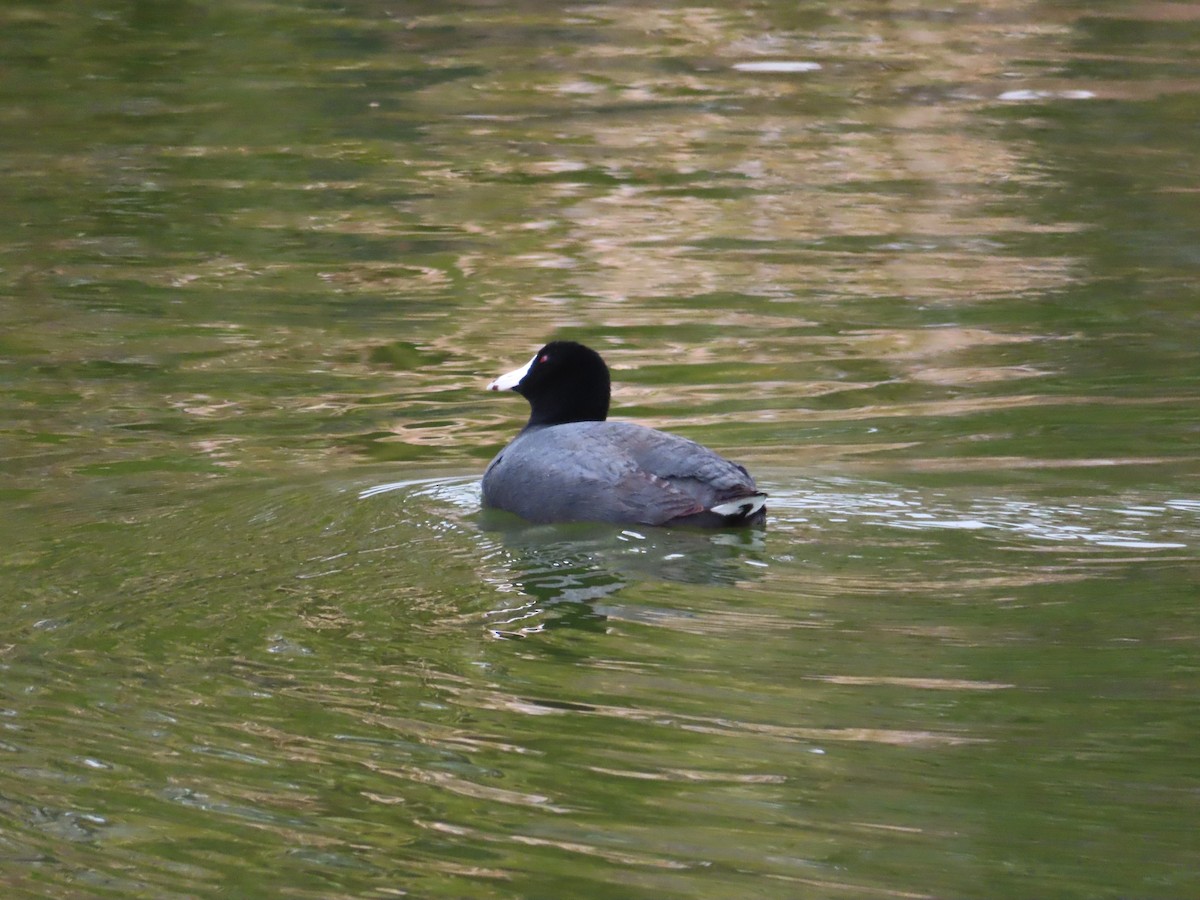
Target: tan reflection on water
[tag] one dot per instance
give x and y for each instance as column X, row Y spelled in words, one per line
column 868, row 176
column 714, row 726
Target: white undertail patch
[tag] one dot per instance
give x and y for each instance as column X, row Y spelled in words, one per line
column 742, row 507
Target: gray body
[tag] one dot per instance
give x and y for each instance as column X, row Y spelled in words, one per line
column 616, row 472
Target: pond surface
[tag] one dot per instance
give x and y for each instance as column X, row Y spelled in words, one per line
column 930, row 271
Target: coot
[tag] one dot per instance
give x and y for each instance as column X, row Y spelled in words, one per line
column 569, row 465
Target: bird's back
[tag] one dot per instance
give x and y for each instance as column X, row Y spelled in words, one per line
column 617, row 472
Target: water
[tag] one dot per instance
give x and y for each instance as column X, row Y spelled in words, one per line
column 929, row 272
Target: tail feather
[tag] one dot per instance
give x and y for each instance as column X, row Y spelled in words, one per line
column 741, row 509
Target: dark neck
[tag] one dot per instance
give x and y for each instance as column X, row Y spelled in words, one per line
column 567, row 405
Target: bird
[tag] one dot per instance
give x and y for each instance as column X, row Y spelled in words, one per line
column 569, row 464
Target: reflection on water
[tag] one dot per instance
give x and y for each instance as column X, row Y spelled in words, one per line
column 331, row 667
column 532, row 569
column 1168, row 523
column 544, row 565
column 547, row 565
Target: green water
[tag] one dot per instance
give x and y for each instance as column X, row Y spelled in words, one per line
column 933, row 276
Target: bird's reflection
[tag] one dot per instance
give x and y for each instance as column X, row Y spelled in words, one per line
column 569, row 567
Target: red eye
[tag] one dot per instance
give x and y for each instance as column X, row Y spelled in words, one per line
column 545, row 357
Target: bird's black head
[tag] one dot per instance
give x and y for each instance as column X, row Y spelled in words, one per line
column 564, row 382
